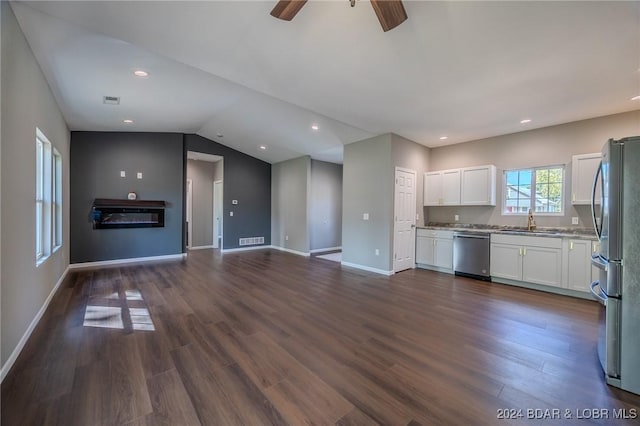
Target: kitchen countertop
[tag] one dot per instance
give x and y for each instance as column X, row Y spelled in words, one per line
column 576, row 233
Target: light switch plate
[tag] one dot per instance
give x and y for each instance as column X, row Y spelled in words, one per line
column 123, row 173
column 230, row 213
column 139, row 175
column 575, row 220
column 365, row 216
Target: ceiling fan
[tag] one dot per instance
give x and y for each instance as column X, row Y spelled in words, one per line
column 390, row 13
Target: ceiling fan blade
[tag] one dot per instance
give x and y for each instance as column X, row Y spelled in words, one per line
column 390, row 13
column 287, row 9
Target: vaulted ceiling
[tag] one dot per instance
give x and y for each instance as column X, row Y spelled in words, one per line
column 230, row 72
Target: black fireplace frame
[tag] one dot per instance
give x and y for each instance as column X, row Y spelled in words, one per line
column 107, row 213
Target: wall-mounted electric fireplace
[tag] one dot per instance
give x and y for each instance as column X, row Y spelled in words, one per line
column 111, row 214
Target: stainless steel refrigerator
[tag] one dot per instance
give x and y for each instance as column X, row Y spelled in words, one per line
column 617, row 223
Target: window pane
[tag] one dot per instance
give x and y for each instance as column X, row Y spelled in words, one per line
column 539, row 189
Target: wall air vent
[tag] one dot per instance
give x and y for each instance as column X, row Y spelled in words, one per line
column 251, row 241
column 111, row 100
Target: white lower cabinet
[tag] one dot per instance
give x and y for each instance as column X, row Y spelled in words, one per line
column 578, row 265
column 580, row 273
column 535, row 260
column 434, row 248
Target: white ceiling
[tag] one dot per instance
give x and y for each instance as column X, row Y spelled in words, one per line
column 468, row 70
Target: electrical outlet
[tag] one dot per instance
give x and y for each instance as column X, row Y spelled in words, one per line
column 365, row 216
column 286, row 238
column 139, row 175
column 456, row 217
column 123, row 173
column 230, row 213
column 234, row 201
column 575, row 220
column 377, row 252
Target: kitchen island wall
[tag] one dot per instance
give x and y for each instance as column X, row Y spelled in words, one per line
column 553, row 145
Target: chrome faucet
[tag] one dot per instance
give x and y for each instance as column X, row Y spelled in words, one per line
column 531, row 224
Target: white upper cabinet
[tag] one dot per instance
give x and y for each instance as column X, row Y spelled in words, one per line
column 583, row 170
column 469, row 186
column 478, row 186
column 442, row 188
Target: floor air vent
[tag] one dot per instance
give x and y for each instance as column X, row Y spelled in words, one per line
column 251, row 241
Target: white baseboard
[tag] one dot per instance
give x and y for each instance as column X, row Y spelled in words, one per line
column 325, row 249
column 88, row 265
column 200, row 247
column 299, row 253
column 23, row 341
column 367, row 268
column 234, row 250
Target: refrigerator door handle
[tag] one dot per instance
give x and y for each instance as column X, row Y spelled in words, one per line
column 599, row 262
column 593, row 203
column 599, row 294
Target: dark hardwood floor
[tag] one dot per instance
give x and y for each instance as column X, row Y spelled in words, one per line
column 266, row 337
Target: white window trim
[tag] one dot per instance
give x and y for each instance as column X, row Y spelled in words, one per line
column 533, row 170
column 48, row 196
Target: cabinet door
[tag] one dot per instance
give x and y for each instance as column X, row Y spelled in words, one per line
column 478, row 186
column 579, row 265
column 451, row 187
column 541, row 265
column 425, row 250
column 432, row 188
column 506, row 261
column 444, row 253
column 583, row 170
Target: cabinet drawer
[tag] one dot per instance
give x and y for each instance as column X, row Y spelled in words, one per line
column 525, row 240
column 434, row 233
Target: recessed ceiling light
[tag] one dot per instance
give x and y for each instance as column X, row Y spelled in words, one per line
column 525, row 121
column 262, row 147
column 127, row 121
column 636, row 98
column 140, row 73
column 442, row 138
column 220, row 135
column 315, row 127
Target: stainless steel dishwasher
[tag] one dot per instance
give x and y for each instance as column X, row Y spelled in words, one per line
column 471, row 254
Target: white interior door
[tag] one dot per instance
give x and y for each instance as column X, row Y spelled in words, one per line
column 189, row 213
column 404, row 229
column 217, row 213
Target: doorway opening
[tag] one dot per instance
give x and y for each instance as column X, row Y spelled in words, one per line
column 204, row 202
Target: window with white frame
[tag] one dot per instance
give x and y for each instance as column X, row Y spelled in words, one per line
column 539, row 189
column 48, row 198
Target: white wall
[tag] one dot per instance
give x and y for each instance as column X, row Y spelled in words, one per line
column 27, row 103
column 546, row 146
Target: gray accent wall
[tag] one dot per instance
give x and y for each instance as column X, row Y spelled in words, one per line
column 540, row 147
column 367, row 188
column 247, row 180
column 291, row 185
column 325, row 205
column 409, row 155
column 202, row 175
column 27, row 103
column 96, row 161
